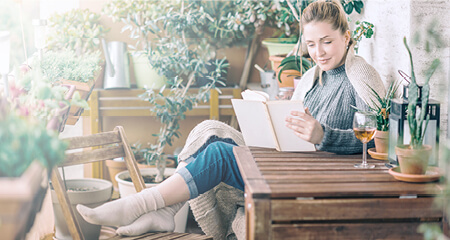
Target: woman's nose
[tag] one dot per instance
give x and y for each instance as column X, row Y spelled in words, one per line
column 320, row 50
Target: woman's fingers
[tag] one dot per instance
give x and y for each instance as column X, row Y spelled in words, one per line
column 305, row 126
column 307, row 111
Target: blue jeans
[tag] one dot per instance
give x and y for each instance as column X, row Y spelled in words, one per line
column 213, row 163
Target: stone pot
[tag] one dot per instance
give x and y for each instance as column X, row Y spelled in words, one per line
column 413, row 161
column 127, row 188
column 99, row 193
column 382, row 141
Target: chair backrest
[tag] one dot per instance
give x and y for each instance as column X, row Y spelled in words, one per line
column 96, row 147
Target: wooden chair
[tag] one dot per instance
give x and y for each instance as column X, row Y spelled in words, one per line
column 106, row 145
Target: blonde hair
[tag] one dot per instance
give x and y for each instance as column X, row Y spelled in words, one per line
column 329, row 11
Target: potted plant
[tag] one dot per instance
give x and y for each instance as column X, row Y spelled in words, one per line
column 80, row 31
column 35, row 95
column 68, row 68
column 413, row 158
column 90, row 192
column 141, row 155
column 280, row 16
column 382, row 109
column 28, row 152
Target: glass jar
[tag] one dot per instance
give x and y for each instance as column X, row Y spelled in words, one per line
column 285, row 93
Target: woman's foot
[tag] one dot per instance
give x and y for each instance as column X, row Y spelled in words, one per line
column 124, row 211
column 156, row 221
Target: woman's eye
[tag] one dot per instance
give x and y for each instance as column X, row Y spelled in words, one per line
column 310, row 45
column 327, row 42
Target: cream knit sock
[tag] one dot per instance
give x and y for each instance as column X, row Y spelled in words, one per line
column 160, row 220
column 123, row 211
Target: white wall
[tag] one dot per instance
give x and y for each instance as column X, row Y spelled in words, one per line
column 386, row 52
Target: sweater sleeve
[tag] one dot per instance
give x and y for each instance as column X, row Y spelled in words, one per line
column 343, row 141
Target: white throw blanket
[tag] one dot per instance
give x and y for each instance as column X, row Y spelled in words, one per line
column 220, row 211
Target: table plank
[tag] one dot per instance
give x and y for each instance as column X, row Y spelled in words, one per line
column 357, row 231
column 348, row 209
column 335, row 177
column 353, row 189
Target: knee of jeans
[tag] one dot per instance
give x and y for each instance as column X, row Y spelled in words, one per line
column 219, row 148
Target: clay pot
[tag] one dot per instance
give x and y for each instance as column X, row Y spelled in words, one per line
column 115, row 167
column 382, row 141
column 287, row 76
column 413, row 161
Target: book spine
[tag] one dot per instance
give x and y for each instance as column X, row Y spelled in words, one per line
column 272, row 128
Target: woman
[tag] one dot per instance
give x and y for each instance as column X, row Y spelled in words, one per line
column 338, row 81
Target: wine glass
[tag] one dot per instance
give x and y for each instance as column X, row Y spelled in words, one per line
column 364, row 126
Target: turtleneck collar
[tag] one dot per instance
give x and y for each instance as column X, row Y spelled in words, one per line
column 336, row 71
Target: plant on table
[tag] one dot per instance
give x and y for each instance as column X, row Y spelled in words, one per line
column 382, row 105
column 413, row 158
column 417, row 112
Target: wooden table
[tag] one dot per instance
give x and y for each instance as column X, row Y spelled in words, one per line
column 321, row 195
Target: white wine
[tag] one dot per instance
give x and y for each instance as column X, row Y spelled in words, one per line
column 364, row 134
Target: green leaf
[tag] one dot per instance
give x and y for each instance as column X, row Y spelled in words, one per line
column 359, row 4
column 348, row 8
column 357, row 8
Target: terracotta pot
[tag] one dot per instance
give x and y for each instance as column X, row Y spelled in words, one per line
column 287, row 77
column 382, row 141
column 413, row 161
column 115, row 167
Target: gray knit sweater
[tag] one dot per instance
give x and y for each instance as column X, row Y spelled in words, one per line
column 330, row 104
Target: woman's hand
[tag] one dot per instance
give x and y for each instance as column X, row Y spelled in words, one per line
column 305, row 126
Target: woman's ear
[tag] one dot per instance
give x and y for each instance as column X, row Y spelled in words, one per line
column 347, row 36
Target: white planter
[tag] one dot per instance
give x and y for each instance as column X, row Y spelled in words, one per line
column 101, row 194
column 144, row 73
column 127, row 188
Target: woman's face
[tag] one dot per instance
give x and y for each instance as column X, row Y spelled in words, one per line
column 326, row 46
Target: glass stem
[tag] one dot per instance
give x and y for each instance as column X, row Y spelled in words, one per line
column 364, row 154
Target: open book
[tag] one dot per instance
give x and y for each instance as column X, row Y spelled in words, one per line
column 263, row 124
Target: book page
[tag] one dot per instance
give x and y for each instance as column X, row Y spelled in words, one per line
column 288, row 141
column 255, row 95
column 254, row 122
